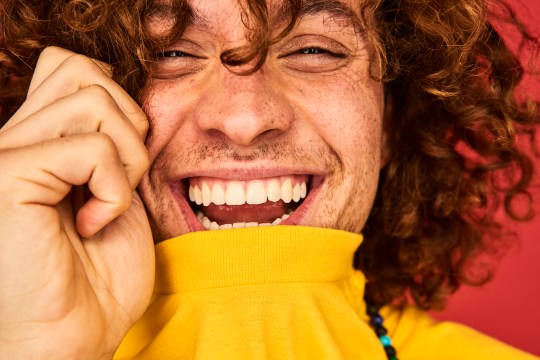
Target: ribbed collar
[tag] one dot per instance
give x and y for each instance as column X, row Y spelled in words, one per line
column 274, row 254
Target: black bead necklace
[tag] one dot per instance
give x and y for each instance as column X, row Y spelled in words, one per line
column 376, row 321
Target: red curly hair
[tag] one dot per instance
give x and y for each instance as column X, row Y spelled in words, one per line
column 453, row 117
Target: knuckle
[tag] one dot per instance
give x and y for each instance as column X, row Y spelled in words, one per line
column 97, row 90
column 51, row 52
column 79, row 66
column 143, row 159
column 143, row 125
column 83, row 64
column 102, row 145
column 124, row 200
column 80, row 62
column 99, row 97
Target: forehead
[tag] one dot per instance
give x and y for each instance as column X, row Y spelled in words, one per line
column 205, row 13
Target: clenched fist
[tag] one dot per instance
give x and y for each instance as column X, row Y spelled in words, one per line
column 76, row 251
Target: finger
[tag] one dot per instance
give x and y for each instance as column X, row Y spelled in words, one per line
column 42, row 175
column 60, row 73
column 50, row 60
column 89, row 110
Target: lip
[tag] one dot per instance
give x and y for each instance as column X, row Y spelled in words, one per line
column 179, row 191
column 244, row 173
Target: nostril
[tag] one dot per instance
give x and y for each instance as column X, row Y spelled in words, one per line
column 268, row 133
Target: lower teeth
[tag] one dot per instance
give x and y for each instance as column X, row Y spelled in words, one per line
column 212, row 225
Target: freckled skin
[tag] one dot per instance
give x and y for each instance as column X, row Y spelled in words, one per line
column 328, row 120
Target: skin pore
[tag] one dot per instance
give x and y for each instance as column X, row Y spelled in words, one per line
column 312, row 114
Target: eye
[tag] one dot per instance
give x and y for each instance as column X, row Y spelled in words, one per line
column 173, row 64
column 174, row 54
column 318, row 51
column 315, row 59
column 308, row 51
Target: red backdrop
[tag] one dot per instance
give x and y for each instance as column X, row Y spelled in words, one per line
column 508, row 308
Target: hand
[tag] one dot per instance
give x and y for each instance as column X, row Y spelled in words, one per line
column 76, row 250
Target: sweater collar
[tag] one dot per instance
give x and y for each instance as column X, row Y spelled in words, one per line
column 262, row 255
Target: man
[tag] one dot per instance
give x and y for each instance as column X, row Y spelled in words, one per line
column 253, row 114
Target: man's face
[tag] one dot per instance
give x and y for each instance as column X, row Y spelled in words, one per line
column 299, row 141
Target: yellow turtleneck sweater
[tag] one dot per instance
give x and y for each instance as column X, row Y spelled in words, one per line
column 281, row 292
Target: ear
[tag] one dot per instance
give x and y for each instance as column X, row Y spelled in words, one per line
column 386, row 148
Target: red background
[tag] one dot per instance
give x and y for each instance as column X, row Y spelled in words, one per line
column 508, row 308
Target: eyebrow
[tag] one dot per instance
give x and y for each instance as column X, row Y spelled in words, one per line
column 334, row 9
column 166, row 12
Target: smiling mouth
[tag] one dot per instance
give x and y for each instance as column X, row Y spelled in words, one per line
column 226, row 204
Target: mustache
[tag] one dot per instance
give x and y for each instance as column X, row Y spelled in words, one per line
column 223, row 151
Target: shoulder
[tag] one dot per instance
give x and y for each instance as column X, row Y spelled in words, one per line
column 417, row 336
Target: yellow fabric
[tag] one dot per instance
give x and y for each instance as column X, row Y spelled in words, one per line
column 280, row 292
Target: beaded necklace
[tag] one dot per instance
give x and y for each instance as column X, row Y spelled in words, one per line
column 376, row 321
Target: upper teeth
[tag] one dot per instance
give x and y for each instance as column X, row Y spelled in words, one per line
column 204, row 191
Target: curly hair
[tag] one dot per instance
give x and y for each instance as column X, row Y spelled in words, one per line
column 453, row 117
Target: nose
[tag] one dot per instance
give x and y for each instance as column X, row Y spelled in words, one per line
column 244, row 109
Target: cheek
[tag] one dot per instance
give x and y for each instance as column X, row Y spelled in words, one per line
column 165, row 111
column 351, row 123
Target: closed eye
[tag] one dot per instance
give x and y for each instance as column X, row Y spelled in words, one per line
column 314, row 59
column 177, row 63
column 317, row 51
column 174, row 53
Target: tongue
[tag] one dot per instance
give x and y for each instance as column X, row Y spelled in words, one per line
column 262, row 213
